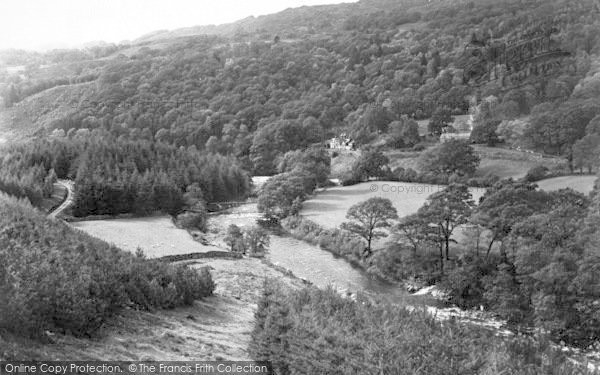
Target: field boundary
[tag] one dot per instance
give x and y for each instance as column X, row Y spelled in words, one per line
column 192, row 256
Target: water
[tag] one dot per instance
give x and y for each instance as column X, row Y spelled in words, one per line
column 313, row 263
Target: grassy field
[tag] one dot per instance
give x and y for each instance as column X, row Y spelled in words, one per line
column 156, row 236
column 506, row 163
column 582, row 184
column 501, row 162
column 328, row 208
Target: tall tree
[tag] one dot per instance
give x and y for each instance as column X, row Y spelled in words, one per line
column 450, row 157
column 441, row 118
column 447, row 210
column 368, row 217
column 586, row 152
column 505, row 204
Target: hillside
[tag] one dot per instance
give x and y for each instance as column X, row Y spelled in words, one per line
column 163, row 129
column 41, row 110
column 342, row 65
column 216, row 328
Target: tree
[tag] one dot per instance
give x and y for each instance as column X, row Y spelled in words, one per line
column 194, row 197
column 486, row 132
column 505, row 204
column 193, row 220
column 414, row 229
column 404, row 133
column 441, row 118
column 450, row 157
column 551, row 263
column 316, row 161
column 593, row 126
column 512, row 132
column 446, row 210
column 376, row 118
column 369, row 216
column 555, row 130
column 256, row 241
column 234, row 238
column 586, row 152
column 371, row 163
column 278, row 194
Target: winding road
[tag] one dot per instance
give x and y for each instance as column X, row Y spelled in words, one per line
column 69, row 185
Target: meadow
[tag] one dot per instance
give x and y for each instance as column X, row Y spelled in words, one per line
column 582, row 184
column 505, row 162
column 328, row 208
column 499, row 161
column 156, row 236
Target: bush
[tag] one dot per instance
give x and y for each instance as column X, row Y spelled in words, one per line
column 398, row 263
column 314, row 331
column 410, row 175
column 57, row 278
column 536, row 173
column 196, row 220
column 339, row 242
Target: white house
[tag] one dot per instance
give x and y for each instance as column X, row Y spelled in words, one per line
column 341, row 143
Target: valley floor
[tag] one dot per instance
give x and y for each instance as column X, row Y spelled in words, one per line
column 216, row 328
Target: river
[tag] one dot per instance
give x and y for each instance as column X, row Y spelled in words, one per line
column 314, row 264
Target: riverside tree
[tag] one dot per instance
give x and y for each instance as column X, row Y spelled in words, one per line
column 369, row 216
column 445, row 211
column 234, row 238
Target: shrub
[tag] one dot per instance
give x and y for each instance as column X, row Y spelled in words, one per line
column 536, row 173
column 339, row 242
column 196, row 220
column 314, row 331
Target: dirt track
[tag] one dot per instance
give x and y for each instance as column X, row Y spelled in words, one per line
column 69, row 185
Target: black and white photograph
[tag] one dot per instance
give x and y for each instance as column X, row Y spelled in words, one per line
column 300, row 187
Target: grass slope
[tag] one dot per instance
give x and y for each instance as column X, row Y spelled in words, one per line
column 215, row 328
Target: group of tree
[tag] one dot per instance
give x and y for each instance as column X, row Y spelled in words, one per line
column 117, row 175
column 253, row 241
column 301, row 172
column 528, row 255
column 371, row 163
column 532, row 260
column 453, row 157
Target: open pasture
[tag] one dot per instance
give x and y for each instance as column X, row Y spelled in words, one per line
column 328, row 208
column 156, row 236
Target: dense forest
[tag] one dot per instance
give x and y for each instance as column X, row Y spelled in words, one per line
column 384, row 60
column 120, row 175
